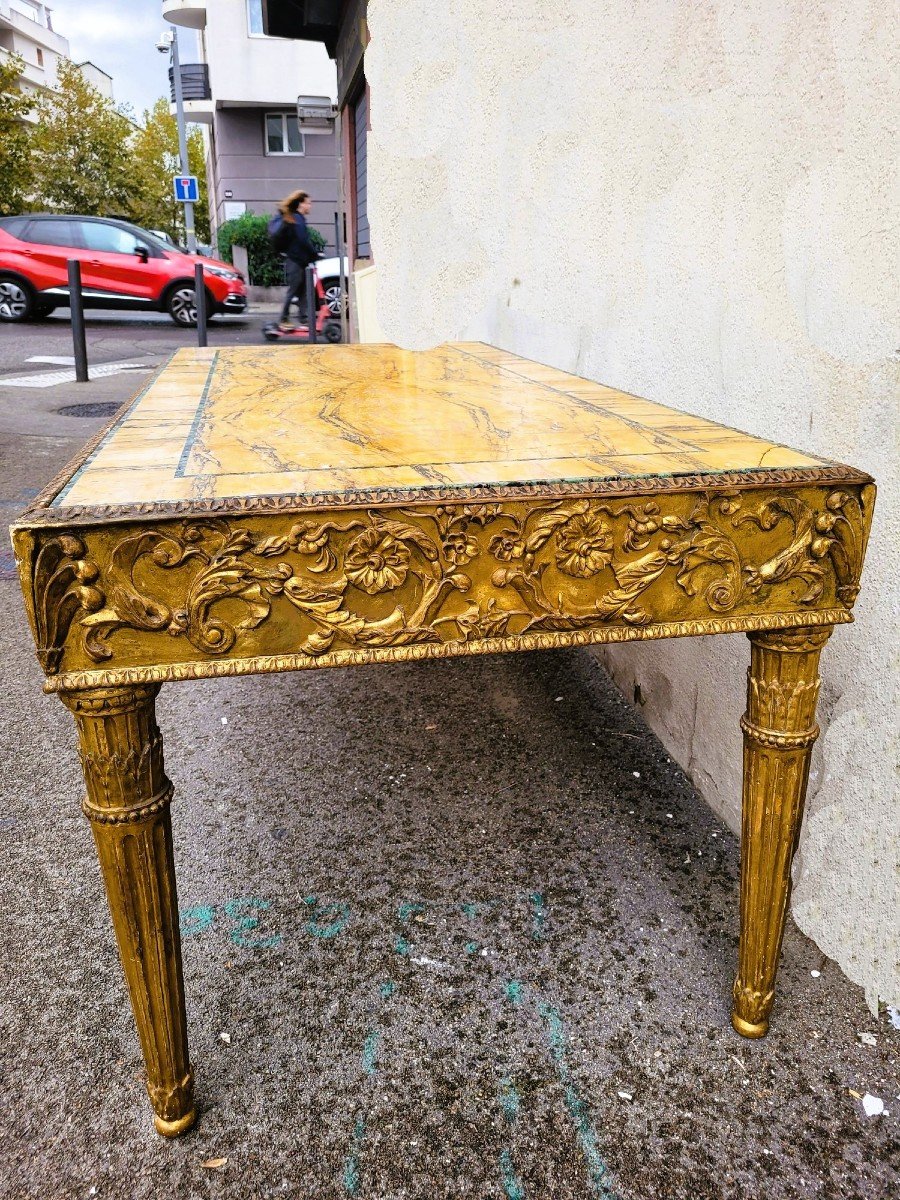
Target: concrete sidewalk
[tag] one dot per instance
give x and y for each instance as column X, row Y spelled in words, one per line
column 469, row 931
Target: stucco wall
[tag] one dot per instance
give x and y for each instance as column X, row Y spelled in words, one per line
column 697, row 203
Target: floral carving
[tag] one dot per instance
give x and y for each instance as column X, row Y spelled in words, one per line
column 506, row 546
column 375, row 579
column 584, row 545
column 376, row 561
column 460, row 547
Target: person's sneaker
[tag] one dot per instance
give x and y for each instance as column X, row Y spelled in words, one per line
column 286, row 327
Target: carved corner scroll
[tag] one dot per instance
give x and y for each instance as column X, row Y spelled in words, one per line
column 443, row 574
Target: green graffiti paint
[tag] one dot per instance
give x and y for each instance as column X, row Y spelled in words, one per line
column 370, row 1051
column 471, row 947
column 513, row 991
column 408, row 909
column 598, row 1172
column 538, row 917
column 401, row 946
column 512, row 1187
column 328, row 921
column 509, row 1099
column 351, row 1177
column 237, row 910
column 387, row 989
column 195, row 920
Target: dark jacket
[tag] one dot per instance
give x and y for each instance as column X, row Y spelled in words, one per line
column 300, row 248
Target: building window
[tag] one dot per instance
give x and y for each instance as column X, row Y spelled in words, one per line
column 255, row 18
column 40, row 57
column 283, row 134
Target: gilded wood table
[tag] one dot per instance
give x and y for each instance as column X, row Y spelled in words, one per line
column 271, row 509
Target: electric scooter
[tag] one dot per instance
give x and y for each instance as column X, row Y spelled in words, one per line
column 328, row 326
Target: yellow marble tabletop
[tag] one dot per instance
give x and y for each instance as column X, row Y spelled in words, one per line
column 258, row 421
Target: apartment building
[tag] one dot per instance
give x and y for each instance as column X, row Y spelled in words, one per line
column 26, row 29
column 247, row 101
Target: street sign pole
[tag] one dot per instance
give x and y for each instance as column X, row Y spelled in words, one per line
column 182, row 144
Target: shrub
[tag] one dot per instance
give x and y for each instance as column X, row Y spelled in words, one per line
column 250, row 230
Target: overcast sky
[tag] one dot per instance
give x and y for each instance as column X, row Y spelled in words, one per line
column 120, row 37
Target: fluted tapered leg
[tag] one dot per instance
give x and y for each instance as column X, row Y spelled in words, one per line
column 779, row 730
column 127, row 803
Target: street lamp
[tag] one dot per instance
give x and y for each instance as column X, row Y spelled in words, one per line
column 168, row 43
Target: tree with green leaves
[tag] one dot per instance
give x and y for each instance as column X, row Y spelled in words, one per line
column 15, row 140
column 82, row 149
column 156, row 160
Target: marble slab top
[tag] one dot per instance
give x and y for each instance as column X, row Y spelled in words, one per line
column 273, row 421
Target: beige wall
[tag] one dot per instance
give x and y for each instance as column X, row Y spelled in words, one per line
column 698, row 203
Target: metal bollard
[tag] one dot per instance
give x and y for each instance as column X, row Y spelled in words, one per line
column 76, row 307
column 311, row 314
column 200, row 302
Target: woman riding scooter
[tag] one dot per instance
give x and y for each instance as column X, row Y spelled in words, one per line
column 300, row 253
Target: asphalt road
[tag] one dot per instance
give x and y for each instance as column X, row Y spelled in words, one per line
column 466, row 928
column 114, row 335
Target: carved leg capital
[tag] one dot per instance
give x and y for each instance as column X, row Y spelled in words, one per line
column 127, row 803
column 779, row 731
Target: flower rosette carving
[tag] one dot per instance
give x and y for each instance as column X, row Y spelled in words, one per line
column 584, row 545
column 380, row 558
column 376, row 561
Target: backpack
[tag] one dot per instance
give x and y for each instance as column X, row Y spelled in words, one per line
column 279, row 232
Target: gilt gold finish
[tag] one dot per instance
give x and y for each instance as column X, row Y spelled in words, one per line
column 779, row 731
column 262, row 510
column 127, row 804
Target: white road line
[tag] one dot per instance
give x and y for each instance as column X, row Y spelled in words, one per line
column 53, row 378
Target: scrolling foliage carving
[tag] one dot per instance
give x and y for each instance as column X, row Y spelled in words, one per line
column 451, row 573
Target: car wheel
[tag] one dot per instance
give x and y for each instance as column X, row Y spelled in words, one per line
column 333, row 296
column 16, row 299
column 181, row 305
column 43, row 308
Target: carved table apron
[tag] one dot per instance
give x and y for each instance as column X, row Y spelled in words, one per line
column 269, row 509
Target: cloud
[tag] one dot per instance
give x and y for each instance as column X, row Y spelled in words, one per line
column 119, row 36
column 105, row 23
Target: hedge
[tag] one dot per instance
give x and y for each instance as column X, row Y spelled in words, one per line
column 250, row 230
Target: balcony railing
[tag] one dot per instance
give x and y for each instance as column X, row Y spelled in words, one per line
column 194, row 82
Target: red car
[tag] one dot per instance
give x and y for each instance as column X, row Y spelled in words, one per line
column 122, row 266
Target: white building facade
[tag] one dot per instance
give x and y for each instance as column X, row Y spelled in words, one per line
column 26, row 31
column 256, row 151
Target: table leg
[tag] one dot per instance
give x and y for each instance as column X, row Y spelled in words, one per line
column 779, row 730
column 127, row 804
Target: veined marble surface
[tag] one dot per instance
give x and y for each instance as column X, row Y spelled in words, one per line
column 252, row 421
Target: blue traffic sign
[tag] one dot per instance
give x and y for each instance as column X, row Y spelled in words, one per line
column 186, row 188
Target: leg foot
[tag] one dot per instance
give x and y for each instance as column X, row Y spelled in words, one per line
column 750, row 1029
column 174, row 1128
column 779, row 732
column 127, row 804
